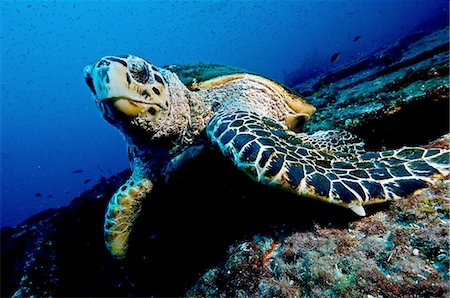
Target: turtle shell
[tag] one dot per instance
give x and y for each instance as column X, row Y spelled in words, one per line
column 196, row 73
column 203, row 75
column 191, row 74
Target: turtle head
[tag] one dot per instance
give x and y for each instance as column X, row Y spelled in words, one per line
column 130, row 92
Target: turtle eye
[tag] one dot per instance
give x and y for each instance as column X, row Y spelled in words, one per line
column 139, row 70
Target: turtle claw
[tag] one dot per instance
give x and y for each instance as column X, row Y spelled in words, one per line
column 358, row 210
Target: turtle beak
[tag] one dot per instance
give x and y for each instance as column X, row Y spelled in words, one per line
column 118, row 104
column 88, row 78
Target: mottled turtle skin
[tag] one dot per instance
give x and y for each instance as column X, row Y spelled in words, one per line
column 254, row 122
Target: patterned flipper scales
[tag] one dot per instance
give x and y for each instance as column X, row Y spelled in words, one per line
column 338, row 142
column 323, row 166
column 123, row 209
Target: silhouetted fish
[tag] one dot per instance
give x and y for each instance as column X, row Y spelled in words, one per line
column 49, row 196
column 86, row 181
column 77, row 171
column 356, row 38
column 335, row 56
column 38, row 195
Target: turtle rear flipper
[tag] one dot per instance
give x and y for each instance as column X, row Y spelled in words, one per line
column 269, row 153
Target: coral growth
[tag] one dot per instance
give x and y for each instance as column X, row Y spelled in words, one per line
column 399, row 252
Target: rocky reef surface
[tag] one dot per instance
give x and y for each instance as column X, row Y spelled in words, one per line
column 216, row 233
column 401, row 251
column 396, row 96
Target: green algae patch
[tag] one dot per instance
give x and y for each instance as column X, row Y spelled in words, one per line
column 193, row 73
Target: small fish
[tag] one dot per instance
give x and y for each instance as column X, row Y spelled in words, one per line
column 86, row 181
column 356, row 38
column 77, row 171
column 38, row 195
column 335, row 56
column 49, row 196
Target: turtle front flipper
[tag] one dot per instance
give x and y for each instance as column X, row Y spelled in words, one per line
column 269, row 153
column 332, row 141
column 123, row 209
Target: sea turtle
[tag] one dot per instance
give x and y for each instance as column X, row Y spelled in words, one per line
column 251, row 120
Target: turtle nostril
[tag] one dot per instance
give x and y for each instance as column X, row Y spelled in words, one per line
column 90, row 83
column 103, row 63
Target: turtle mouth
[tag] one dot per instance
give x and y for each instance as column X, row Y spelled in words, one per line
column 128, row 106
column 131, row 100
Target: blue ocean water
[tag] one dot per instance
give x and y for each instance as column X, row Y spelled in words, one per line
column 55, row 144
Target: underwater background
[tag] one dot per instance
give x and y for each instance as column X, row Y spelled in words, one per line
column 54, row 142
